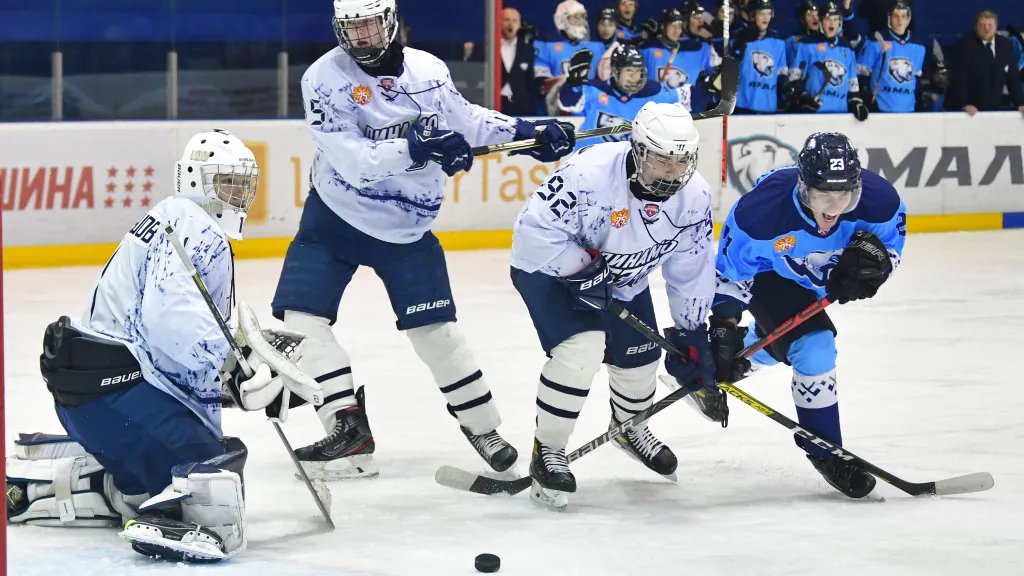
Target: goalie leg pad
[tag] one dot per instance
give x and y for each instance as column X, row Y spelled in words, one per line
column 443, row 349
column 53, row 481
column 212, row 508
column 326, row 361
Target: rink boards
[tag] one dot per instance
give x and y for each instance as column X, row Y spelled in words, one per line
column 70, row 191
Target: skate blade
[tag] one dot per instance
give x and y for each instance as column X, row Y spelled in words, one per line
column 358, row 466
column 670, row 477
column 193, row 549
column 552, row 499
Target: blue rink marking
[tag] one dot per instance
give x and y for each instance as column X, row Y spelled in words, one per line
column 1013, row 219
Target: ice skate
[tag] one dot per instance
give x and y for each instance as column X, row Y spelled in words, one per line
column 552, row 479
column 499, row 454
column 347, row 452
column 158, row 535
column 844, row 476
column 643, row 446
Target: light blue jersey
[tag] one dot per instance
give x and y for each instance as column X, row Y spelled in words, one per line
column 551, row 59
column 769, row 230
column 761, row 60
column 690, row 60
column 841, row 62
column 900, row 63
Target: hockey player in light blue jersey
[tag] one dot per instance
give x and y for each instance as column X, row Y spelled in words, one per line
column 551, row 59
column 617, row 101
column 673, row 57
column 807, row 24
column 762, row 57
column 829, row 47
column 388, row 125
column 137, row 380
column 891, row 70
column 823, row 227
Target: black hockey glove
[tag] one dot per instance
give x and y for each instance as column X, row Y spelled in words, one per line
column 711, row 82
column 863, row 267
column 527, row 33
column 726, row 342
column 591, row 288
column 557, row 139
column 446, row 147
column 857, row 107
column 648, row 29
column 696, row 369
column 807, row 103
column 579, row 67
column 924, row 102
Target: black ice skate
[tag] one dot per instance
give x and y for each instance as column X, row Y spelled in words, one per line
column 552, row 479
column 499, row 454
column 155, row 534
column 347, row 452
column 711, row 404
column 643, row 446
column 844, row 476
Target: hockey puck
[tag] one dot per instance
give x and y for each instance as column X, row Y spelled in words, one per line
column 487, row 563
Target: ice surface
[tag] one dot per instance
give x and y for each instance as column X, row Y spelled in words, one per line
column 930, row 389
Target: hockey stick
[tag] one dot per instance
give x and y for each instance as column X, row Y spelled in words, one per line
column 467, row 481
column 240, row 357
column 881, row 69
column 671, row 59
column 730, row 85
column 968, row 483
column 826, row 80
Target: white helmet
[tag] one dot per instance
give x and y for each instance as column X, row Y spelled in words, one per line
column 571, row 19
column 365, row 28
column 219, row 173
column 665, row 144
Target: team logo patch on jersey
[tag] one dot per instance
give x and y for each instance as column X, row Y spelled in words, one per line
column 901, row 69
column 361, row 94
column 785, row 243
column 651, row 210
column 558, row 47
column 674, row 77
column 763, row 62
column 657, row 53
column 750, row 158
column 620, row 218
column 387, row 84
column 838, row 72
column 821, row 48
column 602, row 98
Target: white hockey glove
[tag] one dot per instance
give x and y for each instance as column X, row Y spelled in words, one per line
column 272, row 357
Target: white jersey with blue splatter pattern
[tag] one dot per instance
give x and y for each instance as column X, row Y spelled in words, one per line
column 587, row 204
column 362, row 168
column 145, row 299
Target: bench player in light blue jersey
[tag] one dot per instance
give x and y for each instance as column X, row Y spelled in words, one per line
column 823, row 227
column 891, row 71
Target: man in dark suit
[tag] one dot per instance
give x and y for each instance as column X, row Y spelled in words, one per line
column 518, row 89
column 984, row 65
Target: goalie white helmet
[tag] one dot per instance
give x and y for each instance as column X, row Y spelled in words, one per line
column 664, row 142
column 218, row 172
column 365, row 28
column 571, row 19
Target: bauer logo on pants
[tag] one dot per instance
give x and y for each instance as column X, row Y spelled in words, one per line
column 428, row 306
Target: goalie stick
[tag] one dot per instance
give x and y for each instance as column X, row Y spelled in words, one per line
column 977, row 482
column 470, row 482
column 236, row 350
column 726, row 105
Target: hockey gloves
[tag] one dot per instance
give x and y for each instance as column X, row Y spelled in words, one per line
column 527, row 33
column 579, row 67
column 696, row 368
column 863, row 266
column 726, row 342
column 446, row 147
column 808, row 103
column 590, row 289
column 557, row 139
column 856, row 106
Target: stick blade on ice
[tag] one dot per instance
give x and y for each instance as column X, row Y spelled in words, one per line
column 977, row 482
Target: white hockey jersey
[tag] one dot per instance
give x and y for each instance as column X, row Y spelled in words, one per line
column 146, row 299
column 587, row 204
column 362, row 168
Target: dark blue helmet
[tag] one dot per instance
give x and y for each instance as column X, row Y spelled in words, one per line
column 607, row 14
column 828, row 162
column 628, row 56
column 670, row 16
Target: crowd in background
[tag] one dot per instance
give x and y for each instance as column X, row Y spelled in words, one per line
column 848, row 56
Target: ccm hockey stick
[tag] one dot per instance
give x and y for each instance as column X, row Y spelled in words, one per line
column 730, row 84
column 976, row 482
column 470, row 482
column 240, row 357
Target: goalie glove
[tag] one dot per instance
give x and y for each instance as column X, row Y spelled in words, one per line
column 261, row 389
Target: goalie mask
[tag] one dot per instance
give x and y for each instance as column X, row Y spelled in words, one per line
column 664, row 144
column 365, row 28
column 218, row 172
column 571, row 20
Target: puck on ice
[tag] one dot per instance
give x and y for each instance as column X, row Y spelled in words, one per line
column 487, row 563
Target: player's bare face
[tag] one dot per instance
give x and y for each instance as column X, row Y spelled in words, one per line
column 827, row 206
column 811, row 20
column 365, row 32
column 673, row 31
column 627, row 9
column 605, row 30
column 696, row 22
column 630, row 78
column 899, row 20
column 763, row 19
column 830, row 26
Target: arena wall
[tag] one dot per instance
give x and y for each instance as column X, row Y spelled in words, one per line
column 70, row 191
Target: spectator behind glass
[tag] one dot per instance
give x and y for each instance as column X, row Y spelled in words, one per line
column 518, row 90
column 984, row 64
column 876, row 14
